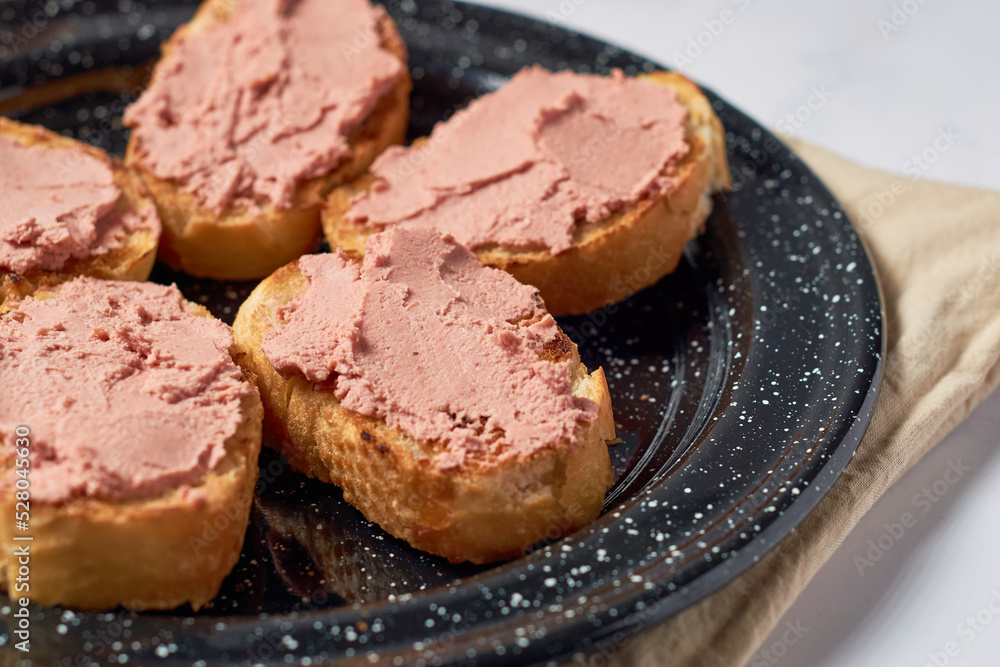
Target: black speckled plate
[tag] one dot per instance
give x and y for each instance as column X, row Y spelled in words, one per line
column 741, row 385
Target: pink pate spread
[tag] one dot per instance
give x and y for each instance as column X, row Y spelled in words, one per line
column 425, row 337
column 248, row 108
column 127, row 394
column 521, row 167
column 59, row 204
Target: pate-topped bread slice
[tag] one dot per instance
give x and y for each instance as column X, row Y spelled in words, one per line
column 130, row 431
column 587, row 187
column 439, row 394
column 69, row 210
column 256, row 110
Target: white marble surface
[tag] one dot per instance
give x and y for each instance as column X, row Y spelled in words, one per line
column 888, row 94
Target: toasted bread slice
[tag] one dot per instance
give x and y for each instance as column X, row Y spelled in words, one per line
column 473, row 513
column 245, row 244
column 150, row 553
column 132, row 260
column 610, row 259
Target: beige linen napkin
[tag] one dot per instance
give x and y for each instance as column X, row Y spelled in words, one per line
column 937, row 250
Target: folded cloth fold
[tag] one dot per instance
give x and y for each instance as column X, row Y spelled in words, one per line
column 936, row 248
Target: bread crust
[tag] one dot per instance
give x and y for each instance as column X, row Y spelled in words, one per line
column 242, row 244
column 155, row 553
column 487, row 511
column 615, row 257
column 132, row 260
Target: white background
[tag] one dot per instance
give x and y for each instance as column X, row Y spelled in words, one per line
column 889, row 92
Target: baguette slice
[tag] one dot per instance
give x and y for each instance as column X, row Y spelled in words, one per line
column 132, row 260
column 475, row 513
column 245, row 244
column 153, row 553
column 610, row 259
